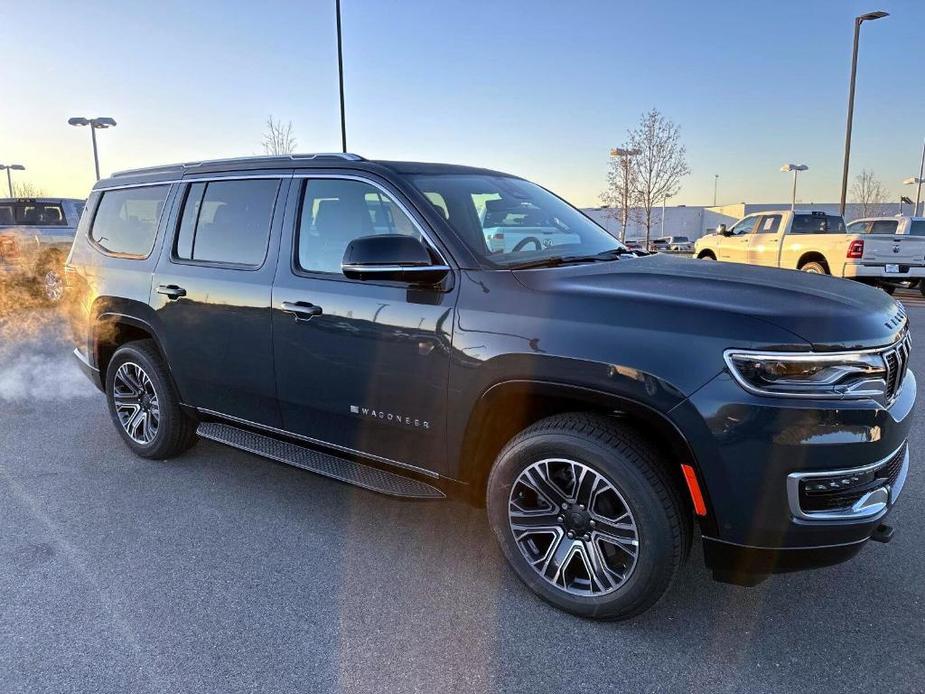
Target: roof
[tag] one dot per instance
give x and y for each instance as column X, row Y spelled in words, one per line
column 40, row 198
column 327, row 160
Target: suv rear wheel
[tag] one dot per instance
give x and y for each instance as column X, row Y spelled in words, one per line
column 144, row 405
column 586, row 517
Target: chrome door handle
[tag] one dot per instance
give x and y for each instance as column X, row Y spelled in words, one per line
column 171, row 291
column 301, row 310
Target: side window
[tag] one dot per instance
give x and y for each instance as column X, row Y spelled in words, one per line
column 917, row 228
column 227, row 222
column 744, row 226
column 336, row 211
column 126, row 220
column 858, row 228
column 884, row 226
column 769, row 224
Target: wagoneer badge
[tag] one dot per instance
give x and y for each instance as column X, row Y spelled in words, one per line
column 399, row 419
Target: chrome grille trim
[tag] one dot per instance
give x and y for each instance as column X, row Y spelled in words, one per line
column 896, row 359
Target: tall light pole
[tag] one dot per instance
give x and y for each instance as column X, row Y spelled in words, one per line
column 340, row 77
column 796, row 168
column 9, row 178
column 663, row 214
column 858, row 21
column 625, row 155
column 95, row 124
column 715, row 184
column 918, row 182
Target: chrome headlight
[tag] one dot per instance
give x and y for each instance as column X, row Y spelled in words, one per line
column 810, row 375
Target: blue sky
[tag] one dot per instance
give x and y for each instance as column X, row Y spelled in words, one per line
column 540, row 89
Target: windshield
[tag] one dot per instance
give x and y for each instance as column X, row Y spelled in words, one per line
column 30, row 213
column 508, row 221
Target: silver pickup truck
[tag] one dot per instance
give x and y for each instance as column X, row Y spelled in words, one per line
column 35, row 237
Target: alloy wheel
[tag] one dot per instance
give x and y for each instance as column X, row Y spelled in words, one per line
column 136, row 403
column 53, row 286
column 573, row 527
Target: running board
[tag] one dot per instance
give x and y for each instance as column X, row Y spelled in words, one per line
column 357, row 474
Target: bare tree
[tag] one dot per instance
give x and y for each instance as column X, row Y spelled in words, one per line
column 660, row 164
column 278, row 138
column 620, row 197
column 870, row 193
column 24, row 189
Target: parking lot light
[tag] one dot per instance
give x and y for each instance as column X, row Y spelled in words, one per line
column 858, row 21
column 918, row 181
column 9, row 178
column 796, row 168
column 99, row 123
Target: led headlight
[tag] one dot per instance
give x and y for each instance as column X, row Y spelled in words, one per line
column 815, row 375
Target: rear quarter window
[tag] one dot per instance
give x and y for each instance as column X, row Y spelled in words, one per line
column 917, row 228
column 125, row 223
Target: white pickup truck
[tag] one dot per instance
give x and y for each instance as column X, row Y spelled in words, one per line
column 817, row 242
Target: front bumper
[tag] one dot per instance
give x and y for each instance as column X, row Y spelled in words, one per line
column 755, row 452
column 906, row 272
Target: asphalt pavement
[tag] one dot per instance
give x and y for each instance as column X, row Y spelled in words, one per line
column 223, row 572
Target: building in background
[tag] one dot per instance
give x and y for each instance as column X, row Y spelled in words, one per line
column 695, row 221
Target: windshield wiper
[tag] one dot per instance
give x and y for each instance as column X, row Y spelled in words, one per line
column 557, row 260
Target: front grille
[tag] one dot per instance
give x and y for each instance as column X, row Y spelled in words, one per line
column 840, row 492
column 896, row 359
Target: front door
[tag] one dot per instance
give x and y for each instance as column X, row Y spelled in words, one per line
column 734, row 248
column 360, row 365
column 211, row 294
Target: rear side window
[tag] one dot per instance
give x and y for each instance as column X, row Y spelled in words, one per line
column 769, row 224
column 126, row 220
column 917, row 228
column 227, row 222
column 817, row 223
column 884, row 226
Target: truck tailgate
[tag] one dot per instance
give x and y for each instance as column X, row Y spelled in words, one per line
column 883, row 249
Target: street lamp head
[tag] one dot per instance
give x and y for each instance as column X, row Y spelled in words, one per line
column 794, row 167
column 913, row 180
column 871, row 16
column 102, row 123
column 620, row 152
column 78, row 120
column 12, row 167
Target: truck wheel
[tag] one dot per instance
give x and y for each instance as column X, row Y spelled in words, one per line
column 50, row 278
column 586, row 517
column 814, row 267
column 888, row 288
column 706, row 255
column 144, row 405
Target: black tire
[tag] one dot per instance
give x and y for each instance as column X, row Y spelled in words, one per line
column 629, row 463
column 175, row 431
column 888, row 288
column 815, row 267
column 922, row 287
column 706, row 255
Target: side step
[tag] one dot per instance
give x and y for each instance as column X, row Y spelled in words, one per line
column 325, row 464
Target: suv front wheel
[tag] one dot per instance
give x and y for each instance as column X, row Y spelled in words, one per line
column 144, row 405
column 586, row 517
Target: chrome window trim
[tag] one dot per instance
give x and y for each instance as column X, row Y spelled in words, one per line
column 392, row 197
column 869, row 505
column 319, row 442
column 395, row 268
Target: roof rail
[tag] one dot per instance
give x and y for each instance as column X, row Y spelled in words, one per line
column 346, row 156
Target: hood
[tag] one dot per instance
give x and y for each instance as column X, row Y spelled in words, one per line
column 827, row 312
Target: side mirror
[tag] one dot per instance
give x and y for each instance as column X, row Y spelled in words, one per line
column 723, row 231
column 391, row 258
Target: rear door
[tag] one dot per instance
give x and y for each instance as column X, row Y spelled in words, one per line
column 211, row 293
column 764, row 241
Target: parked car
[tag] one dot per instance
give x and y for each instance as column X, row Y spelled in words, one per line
column 899, row 226
column 673, row 243
column 819, row 243
column 598, row 401
column 35, row 237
